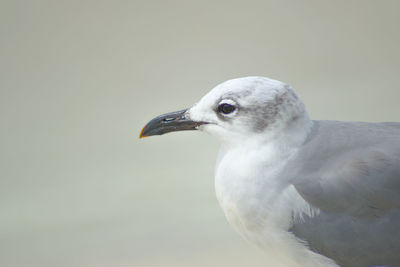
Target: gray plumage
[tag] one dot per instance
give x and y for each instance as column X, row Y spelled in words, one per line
column 351, row 172
column 320, row 193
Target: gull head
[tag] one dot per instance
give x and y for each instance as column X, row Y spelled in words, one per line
column 238, row 110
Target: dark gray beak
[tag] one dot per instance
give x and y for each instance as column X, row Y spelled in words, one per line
column 170, row 122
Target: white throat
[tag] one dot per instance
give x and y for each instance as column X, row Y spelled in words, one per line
column 256, row 200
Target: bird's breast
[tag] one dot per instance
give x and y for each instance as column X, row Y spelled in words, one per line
column 260, row 206
column 250, row 193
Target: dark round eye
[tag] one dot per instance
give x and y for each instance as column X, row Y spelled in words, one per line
column 226, row 108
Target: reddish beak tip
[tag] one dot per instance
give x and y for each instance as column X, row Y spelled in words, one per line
column 141, row 134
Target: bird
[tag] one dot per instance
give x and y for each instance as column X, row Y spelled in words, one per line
column 315, row 192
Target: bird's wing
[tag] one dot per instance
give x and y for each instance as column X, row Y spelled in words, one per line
column 352, row 168
column 351, row 173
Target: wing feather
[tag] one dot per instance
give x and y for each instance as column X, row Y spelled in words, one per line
column 351, row 173
column 356, row 170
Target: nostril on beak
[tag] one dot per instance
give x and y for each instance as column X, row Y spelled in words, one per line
column 168, row 119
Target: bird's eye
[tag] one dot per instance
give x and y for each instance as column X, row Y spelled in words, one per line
column 226, row 108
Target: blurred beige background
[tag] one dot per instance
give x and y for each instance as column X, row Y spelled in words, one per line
column 79, row 79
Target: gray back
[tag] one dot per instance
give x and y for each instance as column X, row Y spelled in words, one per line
column 351, row 172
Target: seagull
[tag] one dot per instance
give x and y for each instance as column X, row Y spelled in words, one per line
column 315, row 192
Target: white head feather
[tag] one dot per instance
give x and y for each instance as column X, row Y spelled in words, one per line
column 263, row 108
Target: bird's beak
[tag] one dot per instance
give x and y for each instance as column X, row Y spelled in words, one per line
column 170, row 122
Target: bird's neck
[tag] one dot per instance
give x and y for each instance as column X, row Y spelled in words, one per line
column 250, row 171
column 256, row 199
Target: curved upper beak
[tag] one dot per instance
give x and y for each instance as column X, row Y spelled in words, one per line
column 170, row 122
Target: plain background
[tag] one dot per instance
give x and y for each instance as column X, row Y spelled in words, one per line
column 79, row 79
